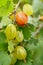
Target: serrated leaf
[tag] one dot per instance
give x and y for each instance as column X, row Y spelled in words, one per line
column 4, row 58
column 33, row 41
column 26, row 31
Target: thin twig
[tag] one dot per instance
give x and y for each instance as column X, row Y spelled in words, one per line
column 38, row 30
column 14, row 12
column 17, row 5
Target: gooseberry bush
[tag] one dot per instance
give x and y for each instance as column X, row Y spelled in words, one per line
column 21, row 32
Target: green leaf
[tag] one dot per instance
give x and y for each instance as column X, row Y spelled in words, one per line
column 4, row 58
column 2, row 37
column 5, row 21
column 3, row 44
column 23, row 63
column 38, row 54
column 37, row 8
column 26, row 31
column 15, row 1
column 41, row 33
column 23, row 1
column 27, row 1
column 33, row 41
column 2, row 3
column 0, row 19
column 7, row 8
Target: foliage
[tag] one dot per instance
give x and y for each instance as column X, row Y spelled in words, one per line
column 4, row 58
column 32, row 32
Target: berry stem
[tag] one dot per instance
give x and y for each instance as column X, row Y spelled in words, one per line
column 24, row 60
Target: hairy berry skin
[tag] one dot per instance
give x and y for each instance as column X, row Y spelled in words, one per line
column 19, row 36
column 10, row 32
column 21, row 53
column 28, row 9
